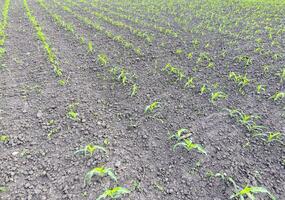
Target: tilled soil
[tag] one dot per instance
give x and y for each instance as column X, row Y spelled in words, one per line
column 139, row 150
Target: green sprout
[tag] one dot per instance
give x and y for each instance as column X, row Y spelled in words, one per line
column 189, row 145
column 190, row 83
column 274, row 136
column 90, row 47
column 250, row 191
column 240, row 80
column 72, row 113
column 123, row 76
column 62, row 82
column 242, row 192
column 134, row 90
column 3, row 189
column 278, row 95
column 4, row 138
column 226, row 179
column 179, row 51
column 247, row 120
column 102, row 59
column 114, row 193
column 52, row 132
column 150, row 108
column 246, row 60
column 218, row 95
column 90, row 149
column 99, row 171
column 174, row 71
column 180, row 134
column 203, row 89
column 190, row 56
column 260, row 88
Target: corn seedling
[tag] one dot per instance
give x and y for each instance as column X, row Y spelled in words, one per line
column 189, row 145
column 90, row 47
column 123, row 76
column 4, row 138
column 260, row 88
column 180, row 134
column 190, row 56
column 89, row 150
column 102, row 59
column 246, row 60
column 62, row 82
column 240, row 80
column 250, row 192
column 52, row 132
column 227, row 179
column 150, row 108
column 178, row 51
column 274, row 136
column 190, row 83
column 172, row 70
column 215, row 96
column 99, row 171
column 3, row 189
column 72, row 114
column 114, row 193
column 203, row 89
column 249, row 121
column 278, row 95
column 134, row 90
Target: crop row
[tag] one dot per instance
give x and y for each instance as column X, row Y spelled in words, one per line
column 3, row 25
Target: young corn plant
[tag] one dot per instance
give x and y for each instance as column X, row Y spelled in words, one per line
column 189, row 145
column 189, row 83
column 215, row 96
column 103, row 59
column 123, row 76
column 4, row 138
column 90, row 149
column 153, row 106
column 247, row 120
column 203, row 89
column 278, row 95
column 227, row 179
column 250, row 192
column 101, row 172
column 72, row 113
column 90, row 47
column 172, row 70
column 242, row 193
column 260, row 88
column 114, row 193
column 134, row 90
column 181, row 134
column 240, row 80
column 244, row 60
column 274, row 136
column 3, row 189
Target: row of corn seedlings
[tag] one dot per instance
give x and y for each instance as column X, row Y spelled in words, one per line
column 140, row 34
column 97, row 26
column 101, row 171
column 3, row 26
column 132, row 18
column 41, row 36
